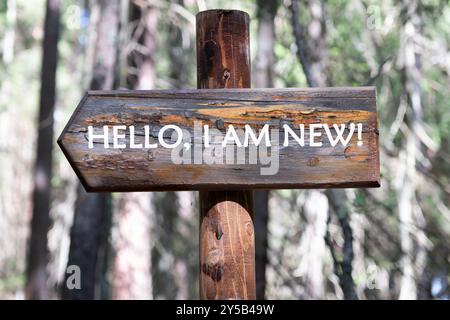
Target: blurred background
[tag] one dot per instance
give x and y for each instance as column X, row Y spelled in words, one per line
column 386, row 243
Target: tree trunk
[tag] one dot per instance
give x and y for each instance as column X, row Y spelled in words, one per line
column 10, row 32
column 263, row 78
column 173, row 273
column 92, row 220
column 133, row 265
column 412, row 221
column 36, row 286
column 312, row 54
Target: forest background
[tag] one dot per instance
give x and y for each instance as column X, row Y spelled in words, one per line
column 386, row 243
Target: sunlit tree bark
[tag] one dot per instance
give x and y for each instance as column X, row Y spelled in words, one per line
column 312, row 54
column 133, row 265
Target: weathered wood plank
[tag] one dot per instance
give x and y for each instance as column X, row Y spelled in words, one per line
column 143, row 169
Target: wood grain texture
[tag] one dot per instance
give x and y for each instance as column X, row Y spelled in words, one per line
column 227, row 241
column 227, row 245
column 128, row 169
column 223, row 49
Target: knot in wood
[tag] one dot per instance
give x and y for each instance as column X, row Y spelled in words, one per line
column 226, row 74
column 213, row 266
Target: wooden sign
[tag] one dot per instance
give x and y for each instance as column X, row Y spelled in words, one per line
column 224, row 139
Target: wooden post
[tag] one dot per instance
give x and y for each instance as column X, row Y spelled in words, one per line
column 227, row 243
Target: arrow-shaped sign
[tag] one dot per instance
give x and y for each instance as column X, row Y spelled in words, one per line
column 227, row 138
